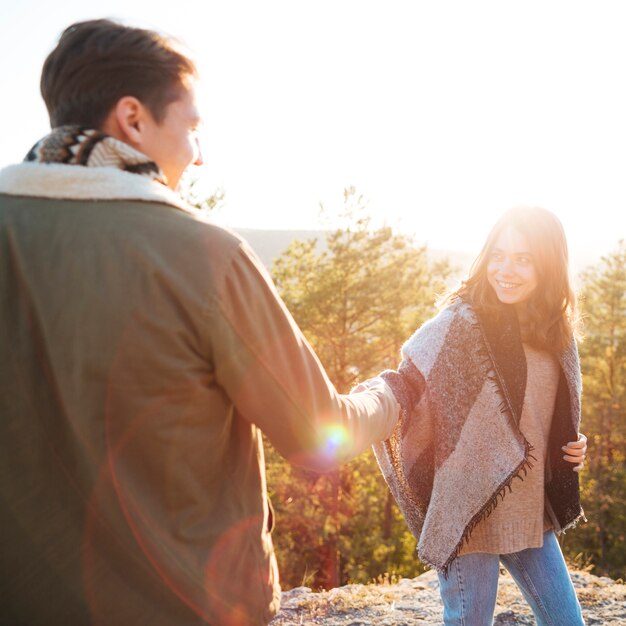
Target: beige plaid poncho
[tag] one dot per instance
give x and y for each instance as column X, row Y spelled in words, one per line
column 456, row 449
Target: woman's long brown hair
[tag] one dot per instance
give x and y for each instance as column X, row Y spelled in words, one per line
column 551, row 310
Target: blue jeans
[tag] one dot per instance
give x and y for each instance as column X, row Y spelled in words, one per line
column 469, row 593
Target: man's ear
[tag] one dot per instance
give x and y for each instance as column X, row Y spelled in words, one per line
column 127, row 121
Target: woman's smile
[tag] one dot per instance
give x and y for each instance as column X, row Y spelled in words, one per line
column 507, row 285
column 511, row 269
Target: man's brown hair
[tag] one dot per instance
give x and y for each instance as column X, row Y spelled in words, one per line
column 97, row 62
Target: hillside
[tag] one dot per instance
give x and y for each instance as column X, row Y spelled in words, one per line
column 269, row 244
column 416, row 603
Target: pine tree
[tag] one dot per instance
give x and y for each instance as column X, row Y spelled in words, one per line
column 603, row 361
column 356, row 301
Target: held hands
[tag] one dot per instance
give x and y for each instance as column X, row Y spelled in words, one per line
column 576, row 451
column 384, row 399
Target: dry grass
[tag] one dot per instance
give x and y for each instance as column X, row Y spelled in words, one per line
column 388, row 601
column 347, row 599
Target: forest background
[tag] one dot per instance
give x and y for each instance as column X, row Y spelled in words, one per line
column 357, row 294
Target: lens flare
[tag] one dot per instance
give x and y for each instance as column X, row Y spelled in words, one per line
column 335, row 437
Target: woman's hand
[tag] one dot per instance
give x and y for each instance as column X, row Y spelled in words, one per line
column 576, row 451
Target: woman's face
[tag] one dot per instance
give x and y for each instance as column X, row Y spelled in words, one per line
column 511, row 268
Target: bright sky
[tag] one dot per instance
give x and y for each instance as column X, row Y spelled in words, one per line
column 443, row 114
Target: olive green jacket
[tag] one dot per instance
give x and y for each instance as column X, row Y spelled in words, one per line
column 143, row 352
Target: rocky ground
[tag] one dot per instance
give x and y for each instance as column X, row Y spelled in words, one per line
column 416, row 603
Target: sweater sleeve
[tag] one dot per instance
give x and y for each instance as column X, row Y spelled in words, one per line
column 407, row 384
column 275, row 381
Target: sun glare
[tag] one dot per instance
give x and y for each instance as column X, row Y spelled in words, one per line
column 335, row 437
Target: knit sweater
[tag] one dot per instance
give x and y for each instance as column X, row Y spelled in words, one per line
column 520, row 522
column 457, row 448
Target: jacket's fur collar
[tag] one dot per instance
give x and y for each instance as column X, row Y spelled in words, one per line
column 74, row 182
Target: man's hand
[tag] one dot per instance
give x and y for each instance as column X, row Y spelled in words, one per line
column 576, row 451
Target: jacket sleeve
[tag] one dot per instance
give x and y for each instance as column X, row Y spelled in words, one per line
column 275, row 381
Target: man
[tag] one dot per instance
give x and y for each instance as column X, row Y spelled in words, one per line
column 143, row 352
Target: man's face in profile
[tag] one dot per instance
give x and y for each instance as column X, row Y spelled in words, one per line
column 173, row 143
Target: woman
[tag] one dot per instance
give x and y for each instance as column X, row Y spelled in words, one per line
column 490, row 393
